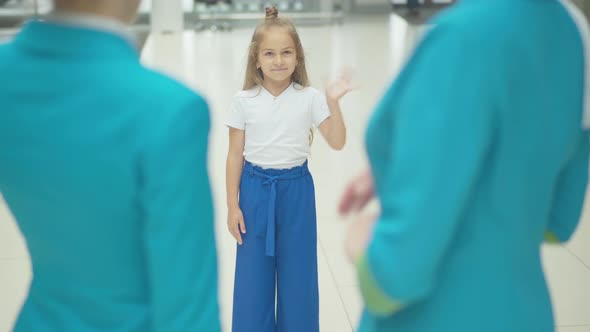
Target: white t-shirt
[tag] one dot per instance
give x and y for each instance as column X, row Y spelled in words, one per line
column 277, row 128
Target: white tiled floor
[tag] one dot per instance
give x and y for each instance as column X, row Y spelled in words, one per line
column 213, row 63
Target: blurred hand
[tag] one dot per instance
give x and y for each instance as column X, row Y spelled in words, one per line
column 340, row 86
column 359, row 236
column 357, row 194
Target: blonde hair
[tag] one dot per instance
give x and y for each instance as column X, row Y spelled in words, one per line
column 254, row 76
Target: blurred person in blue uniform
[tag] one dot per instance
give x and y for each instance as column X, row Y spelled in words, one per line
column 478, row 155
column 103, row 164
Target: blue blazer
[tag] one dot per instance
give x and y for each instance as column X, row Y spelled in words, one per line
column 104, row 165
column 477, row 151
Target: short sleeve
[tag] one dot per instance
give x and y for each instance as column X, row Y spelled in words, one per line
column 319, row 108
column 235, row 116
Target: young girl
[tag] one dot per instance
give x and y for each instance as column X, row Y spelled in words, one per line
column 270, row 192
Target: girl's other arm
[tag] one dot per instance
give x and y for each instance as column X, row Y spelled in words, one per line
column 234, row 166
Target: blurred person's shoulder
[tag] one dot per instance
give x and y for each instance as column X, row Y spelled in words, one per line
column 4, row 45
column 155, row 89
column 489, row 24
column 7, row 54
column 162, row 102
column 478, row 14
column 468, row 22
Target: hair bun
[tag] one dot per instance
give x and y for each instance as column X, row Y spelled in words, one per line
column 271, row 13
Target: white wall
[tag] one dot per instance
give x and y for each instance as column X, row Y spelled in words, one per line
column 146, row 5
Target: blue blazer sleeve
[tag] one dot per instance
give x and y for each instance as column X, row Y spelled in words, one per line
column 443, row 128
column 570, row 191
column 179, row 226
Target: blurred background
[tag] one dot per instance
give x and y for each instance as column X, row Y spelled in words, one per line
column 203, row 43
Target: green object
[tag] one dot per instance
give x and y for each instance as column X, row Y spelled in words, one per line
column 376, row 301
column 551, row 238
